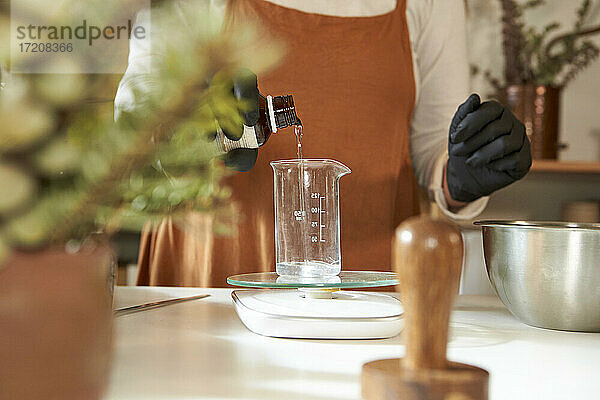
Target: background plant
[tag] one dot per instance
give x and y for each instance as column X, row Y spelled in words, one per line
column 67, row 170
column 536, row 56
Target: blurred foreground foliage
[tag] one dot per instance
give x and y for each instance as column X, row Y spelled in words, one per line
column 67, row 170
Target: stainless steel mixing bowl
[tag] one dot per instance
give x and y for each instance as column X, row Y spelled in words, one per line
column 546, row 273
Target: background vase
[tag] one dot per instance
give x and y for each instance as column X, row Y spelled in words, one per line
column 537, row 106
column 56, row 324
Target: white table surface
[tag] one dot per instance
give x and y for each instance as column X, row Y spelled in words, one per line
column 201, row 350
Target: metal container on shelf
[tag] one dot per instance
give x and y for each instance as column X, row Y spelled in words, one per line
column 546, row 273
column 537, row 106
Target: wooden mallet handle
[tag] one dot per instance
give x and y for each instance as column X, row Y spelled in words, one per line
column 428, row 260
column 428, row 263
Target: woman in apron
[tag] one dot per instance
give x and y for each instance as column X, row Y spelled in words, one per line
column 373, row 84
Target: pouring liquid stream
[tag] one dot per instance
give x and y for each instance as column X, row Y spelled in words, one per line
column 298, row 132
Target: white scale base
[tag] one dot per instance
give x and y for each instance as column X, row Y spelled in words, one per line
column 319, row 313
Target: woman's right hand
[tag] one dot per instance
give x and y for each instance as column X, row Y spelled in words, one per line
column 245, row 88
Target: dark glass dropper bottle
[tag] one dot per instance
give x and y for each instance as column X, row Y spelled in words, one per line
column 274, row 113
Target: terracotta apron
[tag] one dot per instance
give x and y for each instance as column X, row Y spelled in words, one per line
column 353, row 85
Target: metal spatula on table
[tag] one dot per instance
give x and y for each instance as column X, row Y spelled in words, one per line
column 155, row 304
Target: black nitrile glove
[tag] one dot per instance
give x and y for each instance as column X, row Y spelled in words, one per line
column 245, row 89
column 488, row 149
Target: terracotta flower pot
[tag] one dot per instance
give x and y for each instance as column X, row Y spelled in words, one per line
column 537, row 106
column 56, row 325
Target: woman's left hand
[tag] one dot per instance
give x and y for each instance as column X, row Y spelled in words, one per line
column 487, row 148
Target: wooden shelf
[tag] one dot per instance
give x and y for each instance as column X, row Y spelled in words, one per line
column 574, row 167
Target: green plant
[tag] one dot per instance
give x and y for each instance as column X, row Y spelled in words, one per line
column 532, row 57
column 67, row 170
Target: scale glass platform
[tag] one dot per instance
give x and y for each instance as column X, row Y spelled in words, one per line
column 318, row 308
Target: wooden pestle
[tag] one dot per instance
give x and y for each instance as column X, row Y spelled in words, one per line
column 428, row 261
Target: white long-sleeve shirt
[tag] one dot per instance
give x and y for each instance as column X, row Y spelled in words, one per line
column 438, row 44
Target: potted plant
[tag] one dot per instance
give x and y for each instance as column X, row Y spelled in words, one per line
column 70, row 177
column 537, row 67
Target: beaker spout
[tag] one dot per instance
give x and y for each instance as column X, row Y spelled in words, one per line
column 339, row 168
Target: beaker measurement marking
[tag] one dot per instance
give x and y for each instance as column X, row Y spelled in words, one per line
column 321, row 225
column 299, row 215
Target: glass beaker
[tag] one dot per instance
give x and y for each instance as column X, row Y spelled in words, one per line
column 307, row 217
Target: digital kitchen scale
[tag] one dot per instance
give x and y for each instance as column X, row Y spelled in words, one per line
column 317, row 308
